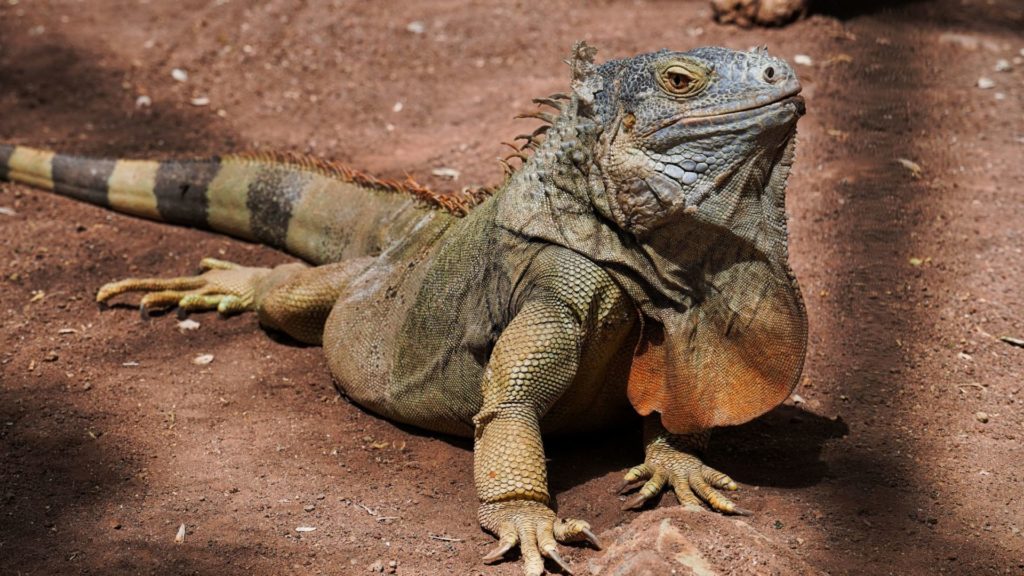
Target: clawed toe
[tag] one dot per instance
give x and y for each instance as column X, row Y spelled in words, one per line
column 223, row 286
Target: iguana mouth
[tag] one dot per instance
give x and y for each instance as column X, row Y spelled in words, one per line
column 736, row 113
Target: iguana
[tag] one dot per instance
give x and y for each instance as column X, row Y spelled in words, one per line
column 636, row 262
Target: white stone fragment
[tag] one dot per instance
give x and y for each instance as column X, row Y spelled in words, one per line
column 986, row 83
column 179, row 75
column 188, row 324
column 803, row 60
column 449, row 173
column 202, row 359
column 416, row 27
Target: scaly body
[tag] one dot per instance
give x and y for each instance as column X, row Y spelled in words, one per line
column 635, row 263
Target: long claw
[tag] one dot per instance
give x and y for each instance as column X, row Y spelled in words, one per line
column 634, row 502
column 552, row 554
column 591, row 538
column 507, row 538
column 499, row 551
column 628, row 486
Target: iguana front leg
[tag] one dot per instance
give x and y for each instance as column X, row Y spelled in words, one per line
column 671, row 460
column 533, row 363
column 293, row 298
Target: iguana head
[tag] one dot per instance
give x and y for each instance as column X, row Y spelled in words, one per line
column 678, row 127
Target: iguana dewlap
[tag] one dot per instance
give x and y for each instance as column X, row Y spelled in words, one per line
column 635, row 262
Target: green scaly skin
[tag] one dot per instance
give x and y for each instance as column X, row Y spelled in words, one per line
column 636, row 262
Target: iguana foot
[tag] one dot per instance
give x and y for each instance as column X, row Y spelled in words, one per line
column 536, row 529
column 223, row 286
column 691, row 480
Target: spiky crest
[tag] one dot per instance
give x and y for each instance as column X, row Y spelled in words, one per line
column 457, row 203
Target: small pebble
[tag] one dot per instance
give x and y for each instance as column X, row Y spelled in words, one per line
column 305, row 529
column 143, row 101
column 200, row 101
column 309, row 508
column 803, row 60
column 1003, row 65
column 202, row 359
column 986, row 83
column 449, row 173
column 416, row 27
column 981, row 417
column 188, row 324
column 179, row 75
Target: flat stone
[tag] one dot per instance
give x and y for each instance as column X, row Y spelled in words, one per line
column 689, row 541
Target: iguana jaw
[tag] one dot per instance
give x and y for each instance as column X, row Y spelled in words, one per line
column 737, row 112
column 683, row 128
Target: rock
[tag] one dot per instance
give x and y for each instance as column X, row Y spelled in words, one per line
column 981, row 417
column 748, row 13
column 803, row 60
column 986, row 83
column 687, row 541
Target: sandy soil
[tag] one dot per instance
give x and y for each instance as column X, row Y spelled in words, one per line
column 110, row 437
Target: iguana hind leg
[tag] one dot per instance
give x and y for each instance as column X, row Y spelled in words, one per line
column 292, row 298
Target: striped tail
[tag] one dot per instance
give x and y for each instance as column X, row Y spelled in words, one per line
column 315, row 210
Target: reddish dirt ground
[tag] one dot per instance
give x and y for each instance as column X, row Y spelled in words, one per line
column 110, row 437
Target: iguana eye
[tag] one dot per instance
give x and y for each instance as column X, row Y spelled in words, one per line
column 682, row 79
column 679, row 80
column 769, row 74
